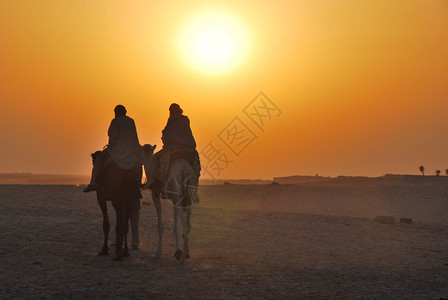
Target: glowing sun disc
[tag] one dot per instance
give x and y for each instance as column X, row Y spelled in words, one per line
column 213, row 43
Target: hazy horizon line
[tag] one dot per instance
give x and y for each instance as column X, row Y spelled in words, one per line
column 216, row 179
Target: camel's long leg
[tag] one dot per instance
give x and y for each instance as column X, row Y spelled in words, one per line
column 176, row 226
column 119, row 233
column 134, row 219
column 158, row 206
column 121, row 228
column 125, row 248
column 185, row 220
column 183, row 212
column 127, row 211
column 106, row 226
column 189, row 212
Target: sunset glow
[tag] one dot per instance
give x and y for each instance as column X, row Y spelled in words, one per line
column 213, row 43
column 362, row 87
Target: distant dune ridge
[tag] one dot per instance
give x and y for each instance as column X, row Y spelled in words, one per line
column 396, row 178
column 30, row 178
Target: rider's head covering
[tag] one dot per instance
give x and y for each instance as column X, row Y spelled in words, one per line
column 120, row 110
column 175, row 109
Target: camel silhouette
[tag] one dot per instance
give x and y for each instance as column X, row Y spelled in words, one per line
column 122, row 188
column 182, row 189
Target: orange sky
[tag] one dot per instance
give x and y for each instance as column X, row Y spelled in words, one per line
column 361, row 85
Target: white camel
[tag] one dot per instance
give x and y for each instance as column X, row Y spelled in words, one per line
column 182, row 189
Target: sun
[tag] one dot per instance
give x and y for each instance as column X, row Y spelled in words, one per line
column 214, row 43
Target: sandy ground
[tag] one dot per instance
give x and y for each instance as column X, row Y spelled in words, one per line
column 287, row 241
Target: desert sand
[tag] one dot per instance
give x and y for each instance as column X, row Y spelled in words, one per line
column 314, row 240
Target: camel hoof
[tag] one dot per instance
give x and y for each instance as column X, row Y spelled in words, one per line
column 158, row 254
column 126, row 252
column 178, row 254
column 103, row 252
column 118, row 258
column 134, row 247
column 187, row 256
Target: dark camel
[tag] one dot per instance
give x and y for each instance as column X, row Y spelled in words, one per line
column 122, row 188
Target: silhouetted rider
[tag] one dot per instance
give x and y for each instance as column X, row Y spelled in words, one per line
column 178, row 141
column 123, row 148
column 177, row 133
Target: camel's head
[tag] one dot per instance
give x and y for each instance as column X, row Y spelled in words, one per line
column 95, row 155
column 147, row 153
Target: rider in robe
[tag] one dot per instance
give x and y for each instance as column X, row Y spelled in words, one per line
column 178, row 141
column 123, row 148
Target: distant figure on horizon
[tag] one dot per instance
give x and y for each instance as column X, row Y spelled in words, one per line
column 422, row 169
column 123, row 148
column 177, row 137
